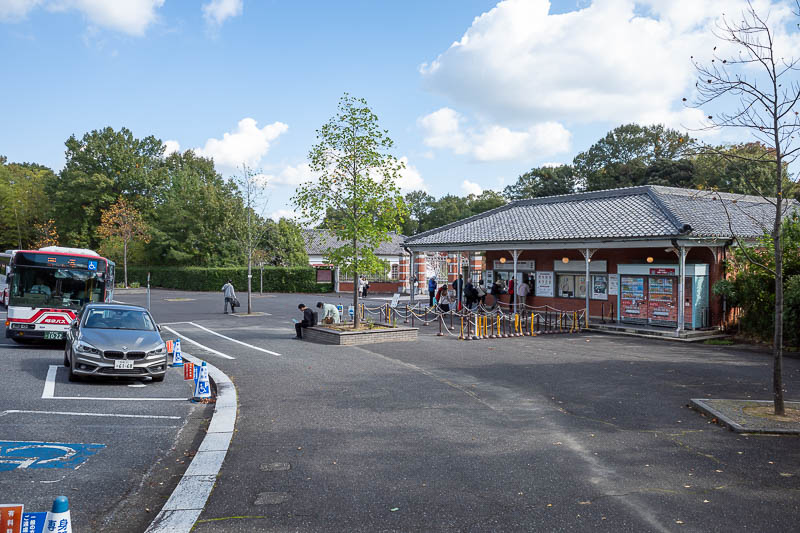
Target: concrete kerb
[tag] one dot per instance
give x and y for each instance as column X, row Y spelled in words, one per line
column 702, row 405
column 187, row 501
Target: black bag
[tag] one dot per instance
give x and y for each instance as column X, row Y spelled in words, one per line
column 235, row 303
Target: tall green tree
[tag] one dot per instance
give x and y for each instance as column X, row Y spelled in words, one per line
column 542, row 181
column 192, row 225
column 419, row 205
column 100, row 167
column 745, row 168
column 621, row 158
column 283, row 244
column 23, row 203
column 357, row 175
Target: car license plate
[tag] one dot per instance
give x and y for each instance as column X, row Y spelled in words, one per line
column 54, row 335
column 121, row 364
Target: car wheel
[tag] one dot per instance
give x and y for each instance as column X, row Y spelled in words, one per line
column 73, row 377
column 159, row 379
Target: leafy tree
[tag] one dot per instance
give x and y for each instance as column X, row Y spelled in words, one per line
column 419, row 205
column 100, row 167
column 449, row 208
column 357, row 175
column 621, row 158
column 759, row 79
column 484, row 201
column 46, row 234
column 740, row 168
column 124, row 222
column 542, row 181
column 23, row 202
column 192, row 226
column 283, row 244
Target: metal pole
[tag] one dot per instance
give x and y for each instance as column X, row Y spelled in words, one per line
column 515, row 254
column 587, row 283
column 148, row 291
column 681, row 287
column 261, row 281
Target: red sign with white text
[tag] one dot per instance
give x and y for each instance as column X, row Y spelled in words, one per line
column 11, row 517
column 188, row 371
column 662, row 271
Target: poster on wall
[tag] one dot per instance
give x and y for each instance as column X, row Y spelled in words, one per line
column 566, row 286
column 544, row 284
column 613, row 284
column 599, row 288
column 580, row 286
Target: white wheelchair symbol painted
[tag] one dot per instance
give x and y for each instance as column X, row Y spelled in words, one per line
column 31, row 455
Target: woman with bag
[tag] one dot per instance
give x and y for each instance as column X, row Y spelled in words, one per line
column 230, row 297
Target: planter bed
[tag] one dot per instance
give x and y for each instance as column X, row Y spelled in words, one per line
column 323, row 335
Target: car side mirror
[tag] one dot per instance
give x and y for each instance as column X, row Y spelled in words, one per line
column 158, row 326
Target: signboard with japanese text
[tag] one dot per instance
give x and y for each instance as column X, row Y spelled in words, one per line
column 613, row 284
column 11, row 517
column 544, row 284
column 633, row 303
column 599, row 287
column 662, row 271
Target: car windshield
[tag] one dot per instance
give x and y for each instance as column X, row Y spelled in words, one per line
column 63, row 288
column 106, row 318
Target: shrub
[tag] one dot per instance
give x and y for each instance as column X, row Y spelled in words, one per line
column 276, row 279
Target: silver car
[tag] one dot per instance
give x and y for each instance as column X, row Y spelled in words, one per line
column 114, row 340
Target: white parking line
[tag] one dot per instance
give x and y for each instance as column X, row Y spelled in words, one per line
column 184, row 337
column 234, row 340
column 70, row 413
column 50, row 389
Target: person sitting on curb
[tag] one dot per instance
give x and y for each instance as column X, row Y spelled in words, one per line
column 309, row 320
column 330, row 313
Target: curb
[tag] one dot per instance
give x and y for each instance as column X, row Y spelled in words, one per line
column 187, row 501
column 699, row 405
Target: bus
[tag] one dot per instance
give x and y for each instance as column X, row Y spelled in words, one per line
column 5, row 268
column 47, row 288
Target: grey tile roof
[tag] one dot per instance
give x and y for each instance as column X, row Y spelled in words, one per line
column 627, row 213
column 318, row 241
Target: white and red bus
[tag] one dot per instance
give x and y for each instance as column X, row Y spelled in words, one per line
column 5, row 268
column 47, row 287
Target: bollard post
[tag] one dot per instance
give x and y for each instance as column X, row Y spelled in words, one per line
column 405, row 320
column 412, row 320
column 533, row 332
column 441, row 320
column 461, row 333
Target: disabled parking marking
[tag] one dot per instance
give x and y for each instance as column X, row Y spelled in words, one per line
column 33, row 455
column 50, row 387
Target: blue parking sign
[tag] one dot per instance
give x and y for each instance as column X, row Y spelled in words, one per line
column 92, row 265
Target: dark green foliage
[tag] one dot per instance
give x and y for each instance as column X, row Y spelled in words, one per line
column 542, row 181
column 753, row 288
column 276, row 279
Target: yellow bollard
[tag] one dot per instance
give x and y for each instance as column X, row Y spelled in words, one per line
column 575, row 321
column 533, row 330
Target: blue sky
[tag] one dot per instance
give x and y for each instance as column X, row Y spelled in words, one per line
column 530, row 82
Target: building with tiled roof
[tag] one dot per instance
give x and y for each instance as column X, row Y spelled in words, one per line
column 619, row 253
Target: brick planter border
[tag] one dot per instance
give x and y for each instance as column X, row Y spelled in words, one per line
column 321, row 335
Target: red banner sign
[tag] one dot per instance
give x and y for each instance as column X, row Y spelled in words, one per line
column 188, row 371
column 11, row 518
column 662, row 271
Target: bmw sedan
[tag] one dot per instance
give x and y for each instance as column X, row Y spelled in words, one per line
column 115, row 340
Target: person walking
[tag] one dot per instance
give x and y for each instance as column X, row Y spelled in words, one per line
column 522, row 294
column 366, row 286
column 481, row 292
column 309, row 320
column 431, row 290
column 230, row 297
column 458, row 286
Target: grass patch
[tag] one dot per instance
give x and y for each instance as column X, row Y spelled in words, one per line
column 719, row 342
column 792, row 415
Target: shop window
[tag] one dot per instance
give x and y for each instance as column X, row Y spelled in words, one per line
column 574, row 286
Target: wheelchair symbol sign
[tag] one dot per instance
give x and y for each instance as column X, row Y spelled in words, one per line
column 31, row 455
column 92, row 265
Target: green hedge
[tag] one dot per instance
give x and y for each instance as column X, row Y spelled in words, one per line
column 276, row 279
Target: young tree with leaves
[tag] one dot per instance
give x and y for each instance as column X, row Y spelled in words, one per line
column 124, row 222
column 46, row 234
column 357, row 176
column 758, row 78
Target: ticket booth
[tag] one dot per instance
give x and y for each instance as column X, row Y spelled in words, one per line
column 504, row 270
column 648, row 294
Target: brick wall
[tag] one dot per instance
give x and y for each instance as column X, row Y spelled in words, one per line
column 350, row 338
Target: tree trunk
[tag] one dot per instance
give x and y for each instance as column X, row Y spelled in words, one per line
column 356, row 314
column 125, row 260
column 777, row 370
column 249, row 282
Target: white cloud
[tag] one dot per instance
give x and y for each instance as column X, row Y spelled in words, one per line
column 171, row 147
column 292, row 176
column 615, row 61
column 130, row 16
column 443, row 129
column 470, row 187
column 217, row 11
column 283, row 213
column 248, row 144
column 410, row 178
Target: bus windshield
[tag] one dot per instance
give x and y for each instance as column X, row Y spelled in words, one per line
column 63, row 288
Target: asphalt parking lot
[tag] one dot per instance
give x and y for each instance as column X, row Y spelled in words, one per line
column 555, row 433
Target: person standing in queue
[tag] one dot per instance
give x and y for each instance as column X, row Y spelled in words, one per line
column 309, row 320
column 230, row 296
column 431, row 290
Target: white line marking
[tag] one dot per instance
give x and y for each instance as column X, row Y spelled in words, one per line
column 70, row 413
column 50, row 383
column 50, row 388
column 184, row 337
column 234, row 340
